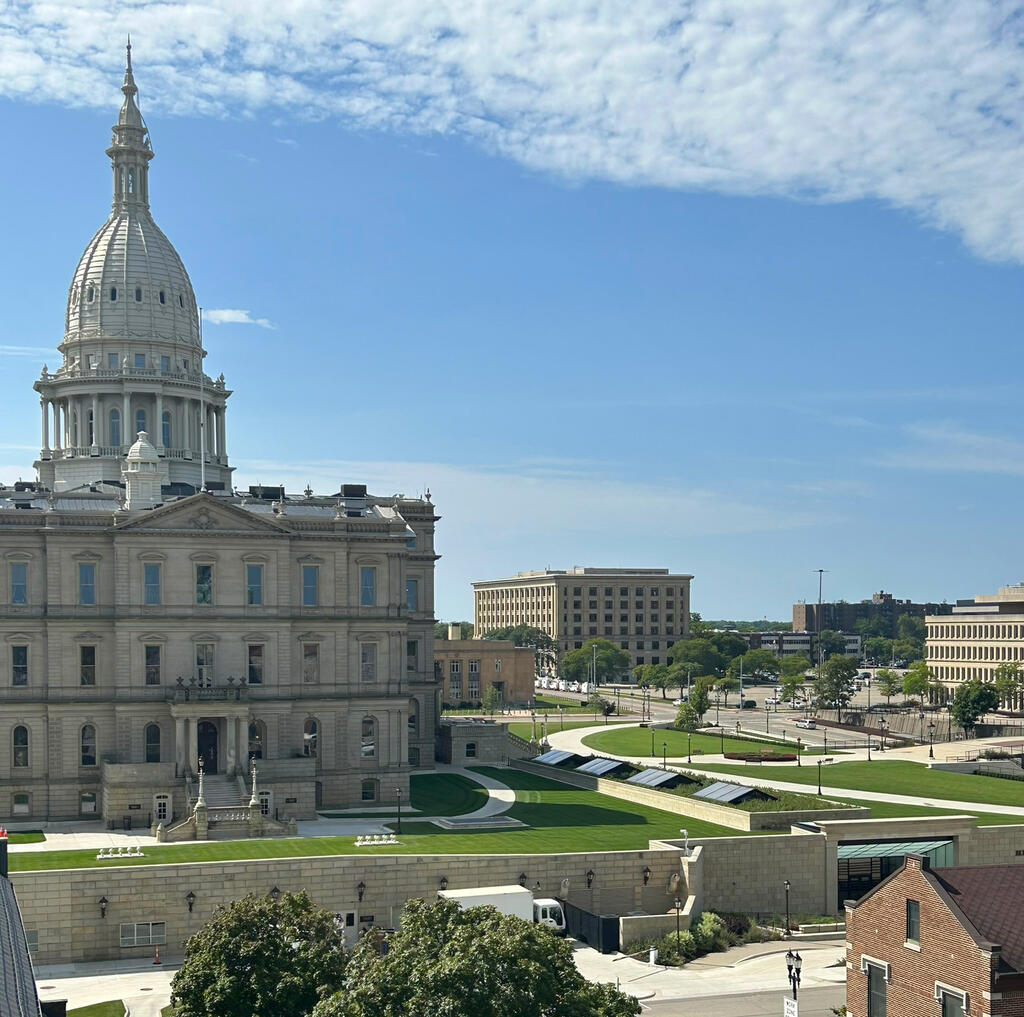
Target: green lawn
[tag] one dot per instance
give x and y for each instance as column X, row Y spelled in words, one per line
column 636, row 741
column 893, row 810
column 27, row 837
column 446, row 794
column 900, row 777
column 525, row 728
column 112, row 1008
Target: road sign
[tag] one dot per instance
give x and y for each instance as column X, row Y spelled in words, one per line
column 790, row 1008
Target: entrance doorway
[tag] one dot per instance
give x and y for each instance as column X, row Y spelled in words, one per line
column 206, row 736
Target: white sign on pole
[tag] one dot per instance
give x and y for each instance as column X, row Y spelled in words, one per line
column 790, row 1008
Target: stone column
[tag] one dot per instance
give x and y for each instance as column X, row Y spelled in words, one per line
column 95, row 419
column 230, row 736
column 45, row 406
column 179, row 745
column 57, row 431
column 127, row 438
column 221, row 439
column 192, row 727
column 243, row 740
column 158, row 424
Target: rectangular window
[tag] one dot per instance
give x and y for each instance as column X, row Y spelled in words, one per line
column 913, row 921
column 87, row 665
column 952, row 1003
column 474, row 667
column 412, row 655
column 368, row 739
column 140, row 361
column 19, row 582
column 255, row 663
column 204, row 584
column 204, row 664
column 86, row 584
column 368, row 662
column 143, row 934
column 151, row 583
column 19, row 666
column 310, row 585
column 153, row 665
column 474, row 686
column 876, row 991
column 20, row 802
column 412, row 594
column 254, row 585
column 367, row 587
column 165, row 364
column 112, row 362
column 310, row 663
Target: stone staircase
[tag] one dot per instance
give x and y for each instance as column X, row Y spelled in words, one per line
column 219, row 791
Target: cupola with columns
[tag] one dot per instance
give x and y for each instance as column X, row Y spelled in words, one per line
column 132, row 355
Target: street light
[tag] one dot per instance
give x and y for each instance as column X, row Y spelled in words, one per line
column 274, row 894
column 590, row 878
column 794, row 963
column 442, row 883
column 398, row 805
column 786, row 884
column 360, row 890
column 799, row 747
column 103, row 902
column 679, row 905
column 689, row 739
column 190, row 900
column 827, row 759
column 931, row 739
column 767, row 716
column 882, row 726
column 652, row 739
column 646, row 873
column 664, row 755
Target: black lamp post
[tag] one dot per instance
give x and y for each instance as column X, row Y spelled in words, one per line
column 274, row 894
column 798, row 748
column 398, row 806
column 767, row 716
column 442, row 883
column 786, row 884
column 652, row 739
column 679, row 906
column 590, row 878
column 689, row 741
column 646, row 874
column 103, row 902
column 869, row 745
column 664, row 755
column 882, row 726
column 826, row 759
column 721, row 734
column 190, row 900
column 360, row 890
column 793, row 964
column 931, row 739
column 522, row 879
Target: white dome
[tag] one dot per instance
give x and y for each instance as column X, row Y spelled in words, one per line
column 130, row 283
column 143, row 451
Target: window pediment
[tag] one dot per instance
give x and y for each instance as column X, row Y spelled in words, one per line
column 19, row 556
column 256, row 637
column 87, row 556
column 205, row 637
column 87, row 637
column 203, row 557
column 152, row 637
column 311, row 559
column 256, row 557
column 19, row 637
column 310, row 637
column 152, row 556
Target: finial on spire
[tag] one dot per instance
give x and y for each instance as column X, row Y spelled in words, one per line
column 128, row 65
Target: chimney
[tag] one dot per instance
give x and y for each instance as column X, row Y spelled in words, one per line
column 455, row 631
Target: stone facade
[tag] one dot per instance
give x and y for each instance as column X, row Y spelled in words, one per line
column 472, row 742
column 466, row 668
column 644, row 611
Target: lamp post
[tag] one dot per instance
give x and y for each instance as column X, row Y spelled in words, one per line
column 869, row 745
column 646, row 873
column 786, row 884
column 652, row 740
column 190, row 900
column 721, row 734
column 826, row 759
column 689, row 739
column 767, row 715
column 881, row 727
column 679, row 905
column 398, row 807
column 793, row 964
column 274, row 893
column 799, row 747
column 664, row 755
column 103, row 903
column 931, row 739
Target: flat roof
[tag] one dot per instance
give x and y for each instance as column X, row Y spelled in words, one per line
column 903, row 847
column 554, row 757
column 655, row 778
column 596, row 767
column 721, row 791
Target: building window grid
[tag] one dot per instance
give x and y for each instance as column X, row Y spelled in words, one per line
column 151, row 584
column 19, row 583
column 19, row 666
column 87, row 665
column 310, row 586
column 152, row 665
column 86, row 584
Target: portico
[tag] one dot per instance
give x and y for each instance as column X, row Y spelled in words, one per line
column 217, row 734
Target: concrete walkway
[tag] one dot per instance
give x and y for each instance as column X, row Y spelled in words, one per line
column 573, row 741
column 145, row 987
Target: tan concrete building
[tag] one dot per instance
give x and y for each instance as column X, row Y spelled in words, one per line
column 976, row 638
column 644, row 611
column 465, row 668
column 146, row 626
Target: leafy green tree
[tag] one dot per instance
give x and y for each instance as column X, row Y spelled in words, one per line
column 260, row 958
column 910, row 627
column 699, row 700
column 682, row 672
column 971, row 702
column 835, row 686
column 790, row 687
column 698, row 627
column 599, row 704
column 1008, row 679
column 641, row 673
column 661, row 678
column 878, row 648
column 872, row 628
column 916, row 680
column 797, row 664
column 728, row 644
column 756, row 664
column 546, row 648
column 612, row 662
column 441, row 629
column 888, row 682
column 686, row 718
column 831, row 644
column 908, row 650
column 701, row 652
column 725, row 686
column 491, row 701
column 448, row 962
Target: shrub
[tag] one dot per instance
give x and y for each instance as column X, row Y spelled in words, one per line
column 678, row 950
column 737, row 927
column 709, row 933
column 762, row 757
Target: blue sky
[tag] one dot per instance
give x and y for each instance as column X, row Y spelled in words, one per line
column 732, row 288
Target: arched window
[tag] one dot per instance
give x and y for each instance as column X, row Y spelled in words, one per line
column 369, row 791
column 138, row 294
column 181, row 300
column 19, row 740
column 90, row 293
column 115, row 427
column 257, row 739
column 90, row 428
column 165, row 428
column 162, row 299
column 152, row 740
column 368, row 739
column 113, row 293
column 310, row 730
column 140, row 421
column 88, row 745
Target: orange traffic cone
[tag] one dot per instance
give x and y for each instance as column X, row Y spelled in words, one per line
column 156, row 959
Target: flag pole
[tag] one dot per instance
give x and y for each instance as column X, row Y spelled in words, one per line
column 202, row 408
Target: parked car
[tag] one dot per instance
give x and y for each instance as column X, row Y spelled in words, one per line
column 771, row 701
column 679, row 702
column 807, row 723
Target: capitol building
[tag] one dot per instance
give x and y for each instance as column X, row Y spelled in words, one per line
column 154, row 619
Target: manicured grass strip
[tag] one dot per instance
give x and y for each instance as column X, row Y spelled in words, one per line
column 636, row 741
column 111, row 1008
column 894, row 810
column 525, row 728
column 898, row 777
column 27, row 837
column 446, row 794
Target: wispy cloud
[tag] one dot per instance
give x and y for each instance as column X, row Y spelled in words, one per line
column 916, row 105
column 26, row 351
column 233, row 316
column 948, row 447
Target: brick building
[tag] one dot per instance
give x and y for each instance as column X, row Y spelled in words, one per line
column 465, row 668
column 938, row 943
column 841, row 616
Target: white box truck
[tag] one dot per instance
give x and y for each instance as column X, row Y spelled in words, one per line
column 512, row 900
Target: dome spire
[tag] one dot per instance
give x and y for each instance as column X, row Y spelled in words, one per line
column 130, row 150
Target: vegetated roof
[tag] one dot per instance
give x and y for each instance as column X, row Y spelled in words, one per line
column 991, row 897
column 17, row 985
column 731, row 794
column 657, row 778
column 898, row 848
column 555, row 757
column 597, row 767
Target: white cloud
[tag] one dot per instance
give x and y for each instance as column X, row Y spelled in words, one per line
column 25, row 351
column 948, row 447
column 233, row 316
column 914, row 104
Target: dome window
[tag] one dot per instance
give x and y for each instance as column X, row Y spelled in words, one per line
column 162, row 301
column 138, row 294
column 181, row 300
column 113, row 294
column 89, row 294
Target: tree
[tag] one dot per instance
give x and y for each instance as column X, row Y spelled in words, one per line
column 612, row 662
column 869, row 628
column 756, row 664
column 441, row 629
column 797, row 664
column 686, row 718
column 728, row 644
column 907, row 649
column 599, row 704
column 790, row 687
column 725, row 686
column 260, row 958
column 831, row 644
column 971, row 702
column 661, row 678
column 916, row 680
column 910, row 627
column 1008, row 679
column 699, row 699
column 641, row 673
column 682, row 672
column 888, row 682
column 878, row 648
column 835, row 686
column 529, row 635
column 700, row 652
column 469, row 963
column 698, row 627
column 491, row 700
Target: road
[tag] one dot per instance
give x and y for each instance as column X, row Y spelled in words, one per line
column 816, row 1002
